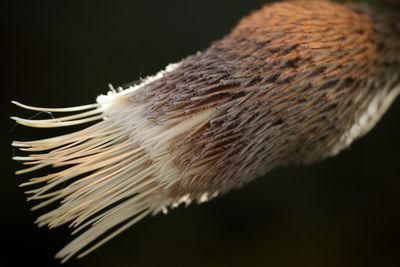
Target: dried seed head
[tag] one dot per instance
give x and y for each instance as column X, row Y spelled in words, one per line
column 294, row 82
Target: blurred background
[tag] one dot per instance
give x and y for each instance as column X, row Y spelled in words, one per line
column 343, row 211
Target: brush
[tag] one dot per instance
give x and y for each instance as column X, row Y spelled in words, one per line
column 293, row 83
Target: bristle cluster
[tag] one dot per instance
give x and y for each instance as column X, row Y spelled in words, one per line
column 104, row 180
column 107, row 176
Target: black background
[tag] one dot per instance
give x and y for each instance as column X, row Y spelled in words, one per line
column 344, row 211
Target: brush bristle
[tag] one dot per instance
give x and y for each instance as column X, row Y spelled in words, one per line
column 105, row 177
column 107, row 181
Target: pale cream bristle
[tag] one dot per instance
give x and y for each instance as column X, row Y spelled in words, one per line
column 109, row 175
column 108, row 185
column 70, row 109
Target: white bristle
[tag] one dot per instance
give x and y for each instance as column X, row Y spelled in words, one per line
column 71, row 109
column 110, row 175
column 104, row 168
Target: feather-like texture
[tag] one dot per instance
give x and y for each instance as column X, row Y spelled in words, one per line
column 294, row 82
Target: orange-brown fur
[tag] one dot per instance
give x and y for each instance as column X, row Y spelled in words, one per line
column 287, row 82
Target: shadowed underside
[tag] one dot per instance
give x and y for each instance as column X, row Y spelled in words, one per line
column 293, row 83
